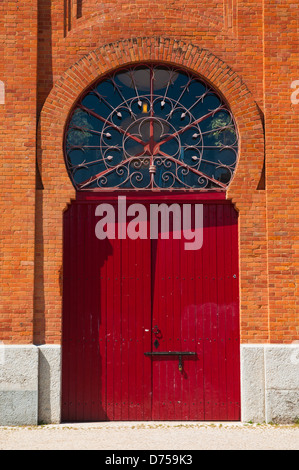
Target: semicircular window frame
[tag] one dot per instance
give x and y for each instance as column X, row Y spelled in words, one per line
column 151, row 126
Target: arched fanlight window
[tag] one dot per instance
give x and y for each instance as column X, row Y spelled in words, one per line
column 151, row 126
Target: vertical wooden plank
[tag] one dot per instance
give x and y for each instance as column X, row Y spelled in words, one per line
column 91, row 300
column 189, row 373
column 70, row 277
column 117, row 328
column 99, row 309
column 194, row 330
column 221, row 255
column 156, row 282
column 147, row 333
column 214, row 313
column 168, row 364
column 164, row 364
column 139, row 329
column 235, row 315
column 78, row 337
column 85, row 315
column 91, row 336
column 207, row 316
column 74, row 314
column 159, row 362
column 131, row 315
column 199, row 296
column 177, row 334
column 169, row 320
column 109, row 261
column 125, row 262
column 132, row 360
column 81, row 318
column 103, row 325
column 228, row 297
column 66, row 338
column 176, row 392
column 143, row 326
column 76, row 346
column 184, row 376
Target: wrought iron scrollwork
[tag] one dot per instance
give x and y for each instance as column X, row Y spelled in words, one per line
column 151, row 126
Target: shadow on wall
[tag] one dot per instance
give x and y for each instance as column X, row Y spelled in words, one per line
column 39, row 297
column 79, row 8
column 44, row 53
column 44, row 86
column 49, row 387
column 70, row 14
column 44, row 395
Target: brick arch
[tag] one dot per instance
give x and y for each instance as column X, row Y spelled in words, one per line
column 108, row 57
column 58, row 189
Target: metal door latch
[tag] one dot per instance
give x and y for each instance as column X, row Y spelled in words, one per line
column 172, row 353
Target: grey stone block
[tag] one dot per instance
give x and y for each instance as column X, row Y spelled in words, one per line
column 252, row 383
column 49, row 400
column 18, row 385
column 270, row 383
column 282, row 365
column 18, row 407
column 282, row 406
column 282, row 382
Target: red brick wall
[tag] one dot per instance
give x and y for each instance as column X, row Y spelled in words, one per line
column 282, row 131
column 18, row 39
column 247, row 49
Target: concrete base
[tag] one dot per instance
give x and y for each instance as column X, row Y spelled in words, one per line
column 30, row 384
column 18, row 385
column 49, row 402
column 270, row 383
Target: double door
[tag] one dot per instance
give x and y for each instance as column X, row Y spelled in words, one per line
column 150, row 328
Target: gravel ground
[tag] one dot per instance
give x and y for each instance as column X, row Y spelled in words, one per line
column 135, row 436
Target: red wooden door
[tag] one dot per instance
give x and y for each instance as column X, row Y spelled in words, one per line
column 195, row 312
column 132, row 306
column 106, row 322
